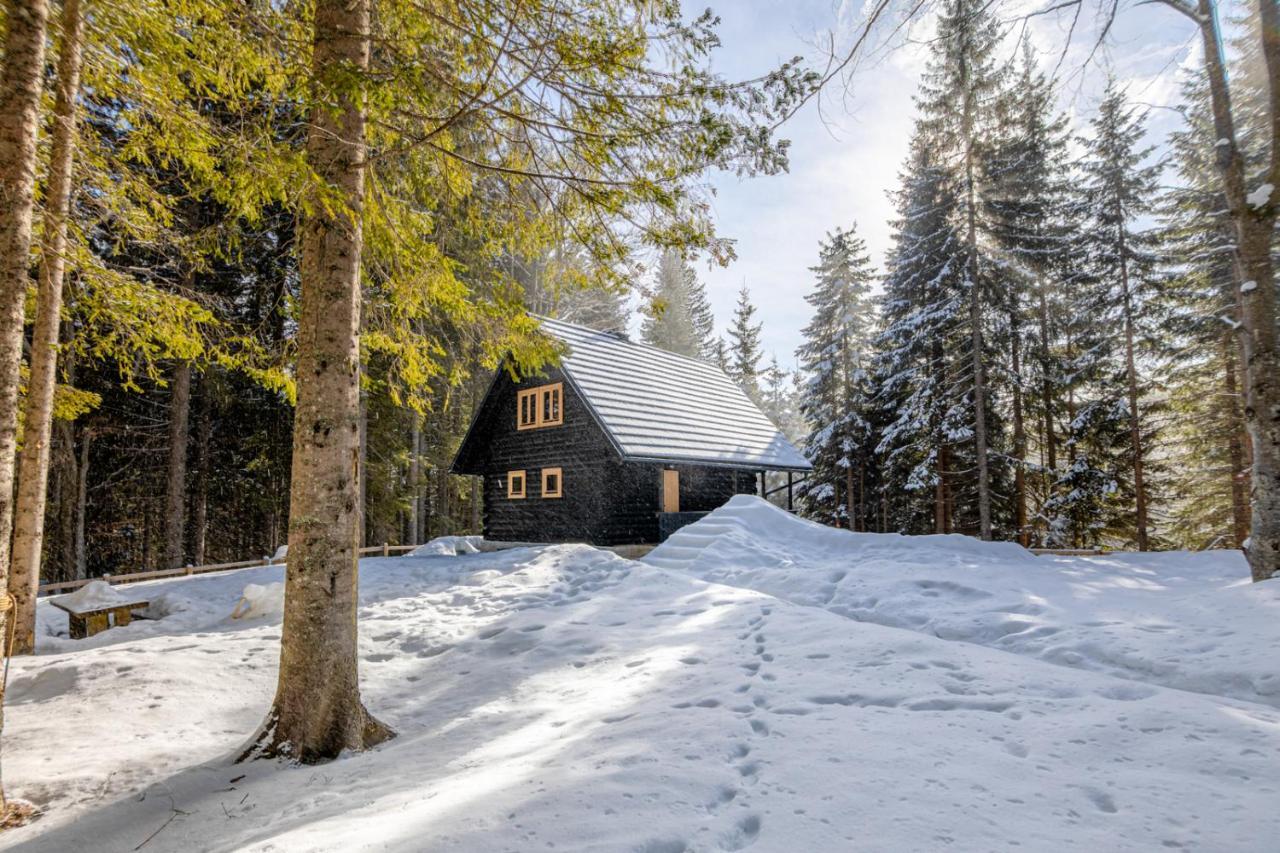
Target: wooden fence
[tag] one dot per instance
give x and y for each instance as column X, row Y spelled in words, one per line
column 383, row 550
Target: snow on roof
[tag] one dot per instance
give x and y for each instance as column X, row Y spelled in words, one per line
column 660, row 406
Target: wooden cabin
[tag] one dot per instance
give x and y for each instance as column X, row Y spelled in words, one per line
column 623, row 443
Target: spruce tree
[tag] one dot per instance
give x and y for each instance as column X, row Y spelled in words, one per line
column 835, row 394
column 680, row 317
column 1119, row 192
column 1029, row 211
column 744, row 346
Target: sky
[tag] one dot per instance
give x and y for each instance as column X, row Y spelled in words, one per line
column 846, row 148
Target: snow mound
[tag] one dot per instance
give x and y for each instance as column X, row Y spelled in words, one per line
column 281, row 554
column 94, row 595
column 260, row 600
column 448, row 546
column 1177, row 619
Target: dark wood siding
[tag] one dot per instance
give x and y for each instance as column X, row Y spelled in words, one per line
column 606, row 501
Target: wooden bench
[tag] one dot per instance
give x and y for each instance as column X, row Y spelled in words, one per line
column 85, row 622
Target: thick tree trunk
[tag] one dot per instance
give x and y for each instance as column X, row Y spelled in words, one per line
column 1254, row 225
column 317, row 713
column 20, row 84
column 28, row 525
column 200, row 503
column 21, row 77
column 175, row 493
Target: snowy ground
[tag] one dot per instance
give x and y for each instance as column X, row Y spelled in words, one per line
column 758, row 682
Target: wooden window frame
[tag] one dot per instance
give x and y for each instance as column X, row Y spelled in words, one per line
column 524, row 485
column 540, row 399
column 558, row 473
column 525, row 401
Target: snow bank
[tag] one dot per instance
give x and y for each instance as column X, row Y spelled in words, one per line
column 448, row 546
column 1190, row 621
column 565, row 697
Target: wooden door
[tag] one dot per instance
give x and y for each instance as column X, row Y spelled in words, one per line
column 670, row 491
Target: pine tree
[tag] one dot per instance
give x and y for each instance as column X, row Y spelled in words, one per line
column 679, row 316
column 835, row 357
column 1029, row 209
column 744, row 346
column 1120, row 192
column 945, row 275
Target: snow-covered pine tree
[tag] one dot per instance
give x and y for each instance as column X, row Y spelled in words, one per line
column 1119, row 194
column 676, row 319
column 958, row 133
column 834, row 359
column 1029, row 210
column 744, row 346
column 916, row 363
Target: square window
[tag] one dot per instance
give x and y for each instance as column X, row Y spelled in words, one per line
column 515, row 484
column 552, row 483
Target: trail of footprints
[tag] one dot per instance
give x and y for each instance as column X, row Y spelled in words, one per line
column 743, row 831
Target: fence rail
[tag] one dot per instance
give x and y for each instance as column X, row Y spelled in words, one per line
column 384, row 550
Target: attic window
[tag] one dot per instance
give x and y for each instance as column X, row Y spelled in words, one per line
column 515, row 484
column 552, row 483
column 540, row 407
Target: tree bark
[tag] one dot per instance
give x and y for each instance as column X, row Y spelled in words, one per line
column 1254, row 226
column 175, row 494
column 317, row 713
column 33, row 481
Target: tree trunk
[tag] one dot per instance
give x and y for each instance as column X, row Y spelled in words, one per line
column 1131, row 377
column 175, row 494
column 68, row 480
column 33, row 481
column 848, row 494
column 200, row 507
column 1235, row 445
column 1019, row 439
column 317, row 713
column 20, row 83
column 1254, row 226
column 415, row 488
column 82, row 502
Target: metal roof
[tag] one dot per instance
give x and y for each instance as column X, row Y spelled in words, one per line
column 658, row 406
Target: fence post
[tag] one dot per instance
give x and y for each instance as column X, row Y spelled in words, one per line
column 386, row 549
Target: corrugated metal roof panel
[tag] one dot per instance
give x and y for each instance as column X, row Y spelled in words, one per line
column 662, row 406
